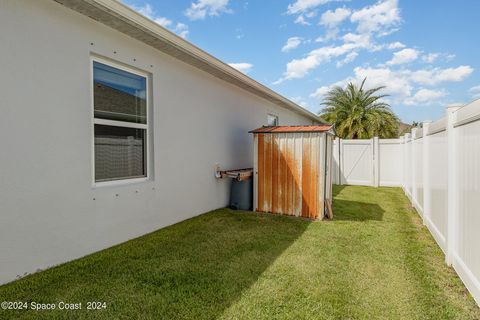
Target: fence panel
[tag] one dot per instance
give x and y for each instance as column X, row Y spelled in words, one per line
column 465, row 234
column 436, row 173
column 336, row 162
column 417, row 185
column 390, row 158
column 407, row 165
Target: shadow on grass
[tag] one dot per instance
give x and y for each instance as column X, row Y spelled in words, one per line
column 195, row 269
column 354, row 210
column 357, row 211
column 337, row 189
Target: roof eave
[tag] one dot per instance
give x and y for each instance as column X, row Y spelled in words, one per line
column 126, row 20
column 325, row 128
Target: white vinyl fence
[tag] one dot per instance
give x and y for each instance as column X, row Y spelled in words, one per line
column 374, row 162
column 438, row 167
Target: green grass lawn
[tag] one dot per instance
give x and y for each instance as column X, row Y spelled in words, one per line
column 375, row 260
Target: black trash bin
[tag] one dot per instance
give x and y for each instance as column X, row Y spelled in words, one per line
column 241, row 194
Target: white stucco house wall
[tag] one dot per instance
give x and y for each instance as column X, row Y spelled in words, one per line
column 67, row 186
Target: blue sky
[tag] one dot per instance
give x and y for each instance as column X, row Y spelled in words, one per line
column 424, row 52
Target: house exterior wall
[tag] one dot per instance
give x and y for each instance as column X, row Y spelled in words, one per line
column 50, row 212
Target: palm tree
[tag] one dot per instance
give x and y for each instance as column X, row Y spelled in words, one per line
column 358, row 113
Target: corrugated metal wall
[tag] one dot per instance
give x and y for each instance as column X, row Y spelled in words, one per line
column 290, row 173
column 329, row 169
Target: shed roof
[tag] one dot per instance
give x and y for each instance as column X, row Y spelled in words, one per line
column 126, row 20
column 293, row 129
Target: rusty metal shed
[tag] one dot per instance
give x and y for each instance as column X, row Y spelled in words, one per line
column 292, row 170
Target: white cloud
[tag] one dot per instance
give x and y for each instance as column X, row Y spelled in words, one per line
column 449, row 57
column 425, row 97
column 299, row 68
column 147, row 10
column 291, row 44
column 202, row 8
column 396, row 82
column 404, row 56
column 301, row 20
column 395, row 45
column 361, row 41
column 181, row 29
column 475, row 91
column 431, row 57
column 331, row 18
column 300, row 101
column 401, row 84
column 381, row 17
column 371, row 22
column 321, row 92
column 331, row 34
column 242, row 67
column 437, row 75
column 349, row 58
column 300, row 6
column 164, row 22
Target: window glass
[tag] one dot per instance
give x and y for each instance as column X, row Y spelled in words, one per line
column 272, row 120
column 119, row 95
column 120, row 153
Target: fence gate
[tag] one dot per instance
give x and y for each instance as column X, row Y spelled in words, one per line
column 356, row 162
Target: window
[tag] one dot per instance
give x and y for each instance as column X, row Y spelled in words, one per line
column 272, row 120
column 120, row 123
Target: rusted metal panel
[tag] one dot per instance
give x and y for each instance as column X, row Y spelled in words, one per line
column 322, row 175
column 260, row 173
column 290, row 189
column 275, row 154
column 268, row 174
column 328, row 174
column 306, row 171
column 298, row 139
column 283, row 174
column 291, row 173
column 315, row 164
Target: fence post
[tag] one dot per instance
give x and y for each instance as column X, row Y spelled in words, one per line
column 402, row 143
column 406, row 164
column 426, row 173
column 452, row 186
column 376, row 162
column 340, row 161
column 413, row 175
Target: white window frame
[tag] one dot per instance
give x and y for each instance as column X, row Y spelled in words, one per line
column 274, row 116
column 115, row 123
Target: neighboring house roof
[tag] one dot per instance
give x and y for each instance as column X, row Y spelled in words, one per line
column 120, row 17
column 293, row 129
column 404, row 128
